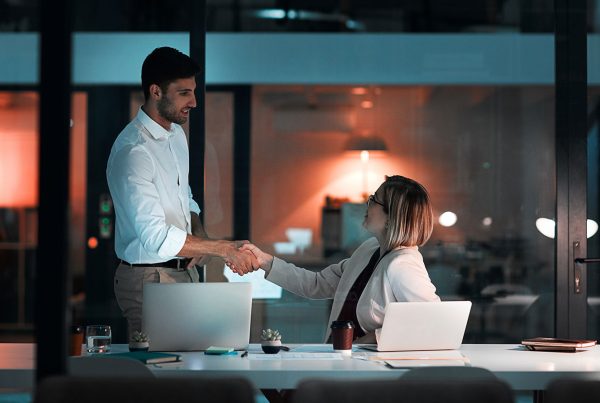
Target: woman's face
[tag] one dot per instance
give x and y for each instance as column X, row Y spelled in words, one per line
column 376, row 218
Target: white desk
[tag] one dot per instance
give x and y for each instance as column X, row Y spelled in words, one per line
column 521, row 369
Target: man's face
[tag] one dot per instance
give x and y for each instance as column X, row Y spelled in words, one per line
column 175, row 103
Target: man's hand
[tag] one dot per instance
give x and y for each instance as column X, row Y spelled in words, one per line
column 198, row 261
column 239, row 261
column 265, row 261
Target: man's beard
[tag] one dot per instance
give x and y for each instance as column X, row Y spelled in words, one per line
column 168, row 112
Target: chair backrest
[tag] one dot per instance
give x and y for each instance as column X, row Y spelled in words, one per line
column 449, row 373
column 573, row 391
column 143, row 390
column 506, row 289
column 107, row 367
column 405, row 391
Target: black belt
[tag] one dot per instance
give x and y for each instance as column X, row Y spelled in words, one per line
column 172, row 264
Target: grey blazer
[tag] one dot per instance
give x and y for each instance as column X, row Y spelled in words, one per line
column 399, row 276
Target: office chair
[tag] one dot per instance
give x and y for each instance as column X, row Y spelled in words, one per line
column 143, row 390
column 449, row 374
column 573, row 391
column 410, row 390
column 107, row 367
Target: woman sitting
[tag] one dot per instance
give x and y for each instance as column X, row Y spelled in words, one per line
column 386, row 268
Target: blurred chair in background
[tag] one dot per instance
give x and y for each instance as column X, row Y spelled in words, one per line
column 431, row 385
column 143, row 390
column 107, row 367
column 573, row 391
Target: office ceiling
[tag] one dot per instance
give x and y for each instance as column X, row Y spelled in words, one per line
column 296, row 15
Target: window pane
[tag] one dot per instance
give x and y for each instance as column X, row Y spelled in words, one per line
column 593, row 182
column 483, row 153
column 18, row 211
column 218, row 160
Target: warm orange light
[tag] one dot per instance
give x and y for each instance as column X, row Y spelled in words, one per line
column 364, row 156
column 92, row 242
column 359, row 90
column 366, row 104
column 18, row 169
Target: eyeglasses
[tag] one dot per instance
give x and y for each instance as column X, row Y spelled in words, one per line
column 372, row 199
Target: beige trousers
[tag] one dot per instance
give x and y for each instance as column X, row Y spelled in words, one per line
column 129, row 287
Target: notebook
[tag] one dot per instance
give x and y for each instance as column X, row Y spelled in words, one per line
column 195, row 316
column 147, row 357
column 443, row 358
column 554, row 344
column 410, row 326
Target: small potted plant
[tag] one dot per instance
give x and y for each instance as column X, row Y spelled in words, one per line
column 270, row 341
column 139, row 341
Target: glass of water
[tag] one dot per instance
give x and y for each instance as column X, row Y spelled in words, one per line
column 98, row 338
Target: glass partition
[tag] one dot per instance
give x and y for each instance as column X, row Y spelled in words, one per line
column 19, row 142
column 484, row 154
column 593, row 206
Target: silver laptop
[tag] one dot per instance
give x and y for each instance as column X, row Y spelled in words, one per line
column 409, row 326
column 195, row 316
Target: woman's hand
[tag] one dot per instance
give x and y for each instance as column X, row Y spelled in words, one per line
column 239, row 261
column 368, row 338
column 265, row 261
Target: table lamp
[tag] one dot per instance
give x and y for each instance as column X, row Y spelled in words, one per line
column 18, row 169
column 365, row 144
column 19, row 179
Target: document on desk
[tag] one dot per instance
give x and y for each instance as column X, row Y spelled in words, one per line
column 313, row 348
column 291, row 356
column 407, row 359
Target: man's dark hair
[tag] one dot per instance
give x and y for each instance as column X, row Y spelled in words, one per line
column 165, row 65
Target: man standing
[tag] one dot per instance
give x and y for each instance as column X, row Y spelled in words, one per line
column 159, row 236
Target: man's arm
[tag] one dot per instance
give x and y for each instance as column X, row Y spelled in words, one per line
column 130, row 178
column 239, row 261
column 197, row 227
column 198, row 230
column 148, row 217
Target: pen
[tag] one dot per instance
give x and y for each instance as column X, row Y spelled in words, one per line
column 244, row 354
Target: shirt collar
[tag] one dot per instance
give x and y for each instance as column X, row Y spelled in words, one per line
column 156, row 130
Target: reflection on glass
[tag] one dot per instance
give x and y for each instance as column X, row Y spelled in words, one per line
column 548, row 227
column 483, row 152
column 447, row 219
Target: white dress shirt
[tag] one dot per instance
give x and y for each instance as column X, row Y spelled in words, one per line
column 400, row 276
column 147, row 175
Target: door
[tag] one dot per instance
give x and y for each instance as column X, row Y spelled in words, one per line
column 571, row 167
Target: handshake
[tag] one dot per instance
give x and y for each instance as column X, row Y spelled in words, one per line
column 242, row 257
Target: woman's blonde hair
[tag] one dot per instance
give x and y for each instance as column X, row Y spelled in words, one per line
column 410, row 216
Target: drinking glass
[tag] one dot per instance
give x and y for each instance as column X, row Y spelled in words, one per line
column 98, row 338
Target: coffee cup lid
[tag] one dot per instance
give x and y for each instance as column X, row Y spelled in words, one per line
column 342, row 324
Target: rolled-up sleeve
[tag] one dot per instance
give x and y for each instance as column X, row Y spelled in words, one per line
column 131, row 181
column 194, row 207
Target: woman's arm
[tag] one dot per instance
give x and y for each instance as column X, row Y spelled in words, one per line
column 306, row 283
column 409, row 280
